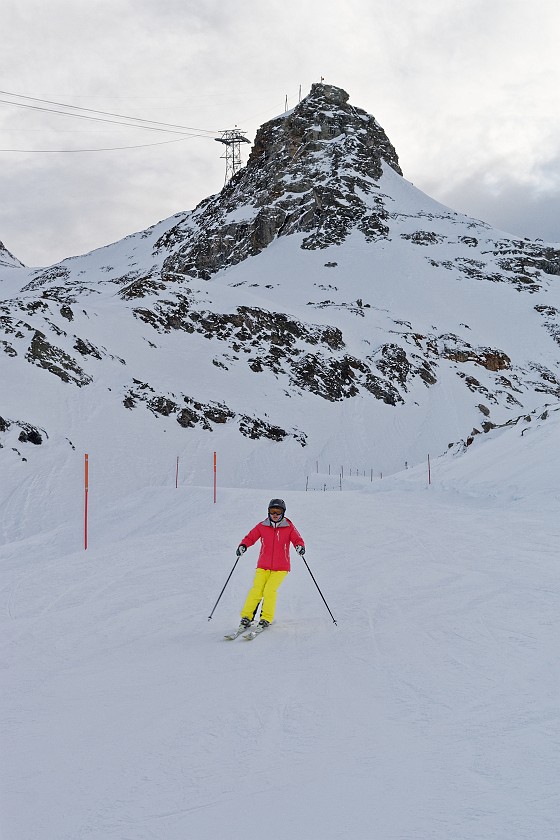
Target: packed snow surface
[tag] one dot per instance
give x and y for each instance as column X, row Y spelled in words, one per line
column 430, row 711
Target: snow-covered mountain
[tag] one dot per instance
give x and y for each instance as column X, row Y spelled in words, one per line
column 320, row 308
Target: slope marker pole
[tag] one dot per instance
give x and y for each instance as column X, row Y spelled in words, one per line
column 86, row 492
column 215, row 478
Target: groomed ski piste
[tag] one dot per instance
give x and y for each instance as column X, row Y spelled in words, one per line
column 429, row 713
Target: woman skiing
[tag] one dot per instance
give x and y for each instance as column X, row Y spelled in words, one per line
column 276, row 533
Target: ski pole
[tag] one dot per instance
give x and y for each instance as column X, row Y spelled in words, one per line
column 223, row 590
column 320, row 593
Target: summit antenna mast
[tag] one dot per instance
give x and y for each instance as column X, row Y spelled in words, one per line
column 232, row 139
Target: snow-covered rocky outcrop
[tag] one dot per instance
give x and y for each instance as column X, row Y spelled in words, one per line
column 7, row 260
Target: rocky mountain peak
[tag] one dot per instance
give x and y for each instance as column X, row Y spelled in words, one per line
column 323, row 125
column 333, row 94
column 313, row 170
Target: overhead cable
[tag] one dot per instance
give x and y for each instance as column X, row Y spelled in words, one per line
column 105, row 149
column 166, row 127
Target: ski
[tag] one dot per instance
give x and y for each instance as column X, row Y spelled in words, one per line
column 254, row 633
column 231, row 636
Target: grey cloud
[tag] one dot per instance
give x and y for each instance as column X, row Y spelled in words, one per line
column 512, row 207
column 81, row 202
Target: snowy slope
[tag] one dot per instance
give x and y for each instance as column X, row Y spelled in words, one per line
column 430, row 711
column 404, row 302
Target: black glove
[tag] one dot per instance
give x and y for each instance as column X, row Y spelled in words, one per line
column 300, row 550
column 241, row 549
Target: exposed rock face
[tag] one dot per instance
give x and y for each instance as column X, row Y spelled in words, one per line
column 18, row 431
column 313, row 171
column 55, row 360
column 7, row 259
column 190, row 413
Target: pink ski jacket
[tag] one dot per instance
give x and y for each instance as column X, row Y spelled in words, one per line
column 275, row 543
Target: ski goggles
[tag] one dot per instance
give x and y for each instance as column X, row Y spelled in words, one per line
column 276, row 511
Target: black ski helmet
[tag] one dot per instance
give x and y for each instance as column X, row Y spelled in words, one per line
column 279, row 503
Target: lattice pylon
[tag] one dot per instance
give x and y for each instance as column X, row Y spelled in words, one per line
column 232, row 140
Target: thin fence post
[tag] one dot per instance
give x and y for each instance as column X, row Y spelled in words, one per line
column 177, row 473
column 86, row 493
column 429, row 471
column 215, row 481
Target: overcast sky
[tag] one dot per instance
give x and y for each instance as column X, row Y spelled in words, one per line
column 467, row 91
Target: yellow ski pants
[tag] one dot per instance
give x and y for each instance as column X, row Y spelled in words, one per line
column 265, row 588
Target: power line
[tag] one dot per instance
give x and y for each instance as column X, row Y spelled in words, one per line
column 185, row 132
column 104, row 113
column 107, row 149
column 86, row 117
column 167, row 127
